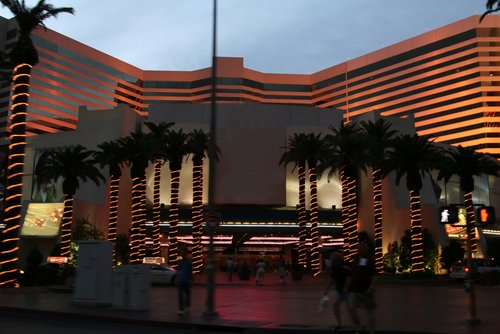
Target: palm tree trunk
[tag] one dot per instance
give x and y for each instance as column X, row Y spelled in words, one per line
column 344, row 181
column 156, row 210
column 377, row 213
column 471, row 229
column 142, row 247
column 14, row 175
column 113, row 207
column 302, row 215
column 353, row 216
column 67, row 219
column 197, row 216
column 135, row 233
column 173, row 218
column 417, row 251
column 313, row 179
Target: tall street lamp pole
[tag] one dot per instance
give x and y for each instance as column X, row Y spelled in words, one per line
column 210, row 311
column 470, row 279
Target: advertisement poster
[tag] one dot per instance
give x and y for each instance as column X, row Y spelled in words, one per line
column 46, row 190
column 42, row 220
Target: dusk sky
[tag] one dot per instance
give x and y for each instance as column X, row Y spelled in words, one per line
column 276, row 36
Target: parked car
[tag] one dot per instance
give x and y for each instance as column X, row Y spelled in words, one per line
column 162, row 274
column 479, row 266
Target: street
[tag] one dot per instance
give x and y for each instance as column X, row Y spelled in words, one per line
column 425, row 307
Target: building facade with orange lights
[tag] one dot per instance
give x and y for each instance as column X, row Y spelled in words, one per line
column 446, row 78
column 445, row 82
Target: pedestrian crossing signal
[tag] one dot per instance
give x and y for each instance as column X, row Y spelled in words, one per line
column 485, row 215
column 449, row 214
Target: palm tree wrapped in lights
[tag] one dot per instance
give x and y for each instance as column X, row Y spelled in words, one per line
column 198, row 142
column 112, row 155
column 159, row 134
column 139, row 150
column 346, row 156
column 175, row 149
column 22, row 58
column 378, row 136
column 73, row 164
column 414, row 156
column 296, row 153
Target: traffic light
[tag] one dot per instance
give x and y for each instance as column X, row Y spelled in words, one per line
column 449, row 214
column 485, row 215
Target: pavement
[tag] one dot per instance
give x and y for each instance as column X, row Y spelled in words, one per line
column 411, row 307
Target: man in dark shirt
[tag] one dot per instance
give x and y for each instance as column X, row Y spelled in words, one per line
column 360, row 288
column 184, row 280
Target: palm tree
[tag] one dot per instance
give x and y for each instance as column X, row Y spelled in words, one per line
column 467, row 163
column 175, row 150
column 159, row 136
column 491, row 7
column 413, row 156
column 112, row 154
column 22, row 58
column 74, row 164
column 347, row 156
column 198, row 142
column 315, row 153
column 378, row 136
column 139, row 150
column 296, row 153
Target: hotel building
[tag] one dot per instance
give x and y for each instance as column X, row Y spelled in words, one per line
column 445, row 81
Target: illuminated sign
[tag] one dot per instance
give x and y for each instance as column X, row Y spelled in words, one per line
column 42, row 220
column 153, row 260
column 485, row 215
column 57, row 259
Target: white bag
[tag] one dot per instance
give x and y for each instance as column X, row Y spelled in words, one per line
column 323, row 303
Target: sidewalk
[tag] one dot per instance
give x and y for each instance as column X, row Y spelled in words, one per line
column 243, row 307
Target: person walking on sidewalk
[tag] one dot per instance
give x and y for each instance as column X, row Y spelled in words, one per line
column 184, row 281
column 282, row 269
column 360, row 288
column 338, row 272
column 229, row 268
column 260, row 270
